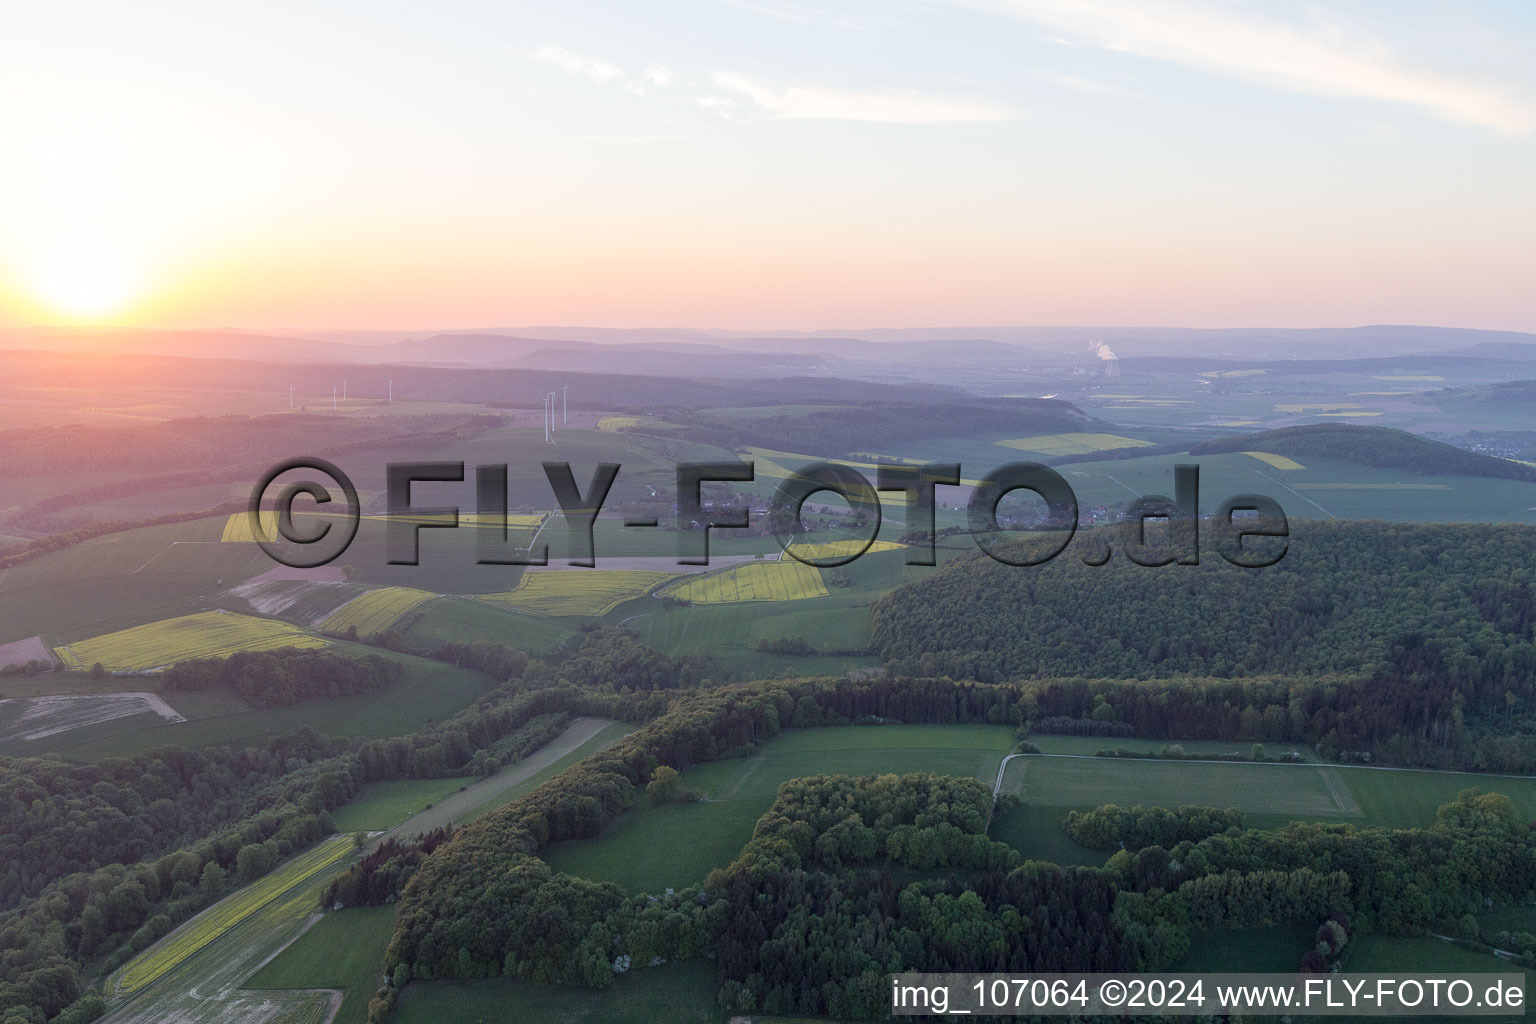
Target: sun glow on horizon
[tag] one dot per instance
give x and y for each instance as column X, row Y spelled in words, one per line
column 84, row 281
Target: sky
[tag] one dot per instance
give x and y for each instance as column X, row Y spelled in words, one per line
column 767, row 164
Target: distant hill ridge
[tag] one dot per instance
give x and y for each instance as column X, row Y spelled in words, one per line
column 1370, row 446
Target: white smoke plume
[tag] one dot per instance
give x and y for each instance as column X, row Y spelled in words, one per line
column 1102, row 350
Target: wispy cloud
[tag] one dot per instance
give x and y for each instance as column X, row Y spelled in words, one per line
column 1087, row 85
column 658, row 76
column 808, row 102
column 797, row 13
column 576, row 64
column 1221, row 41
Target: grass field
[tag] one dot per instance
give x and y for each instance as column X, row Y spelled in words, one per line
column 1425, row 956
column 375, row 611
column 589, row 592
column 1274, row 950
column 1278, row 461
column 786, row 580
column 122, row 579
column 1072, row 444
column 709, row 833
column 343, row 950
column 1273, row 789
column 777, row 465
column 429, row 691
column 238, row 528
column 730, row 632
column 678, row 993
column 202, row 635
column 1094, row 744
column 1324, row 488
column 383, row 805
column 1268, row 795
column 464, row 620
column 227, row 913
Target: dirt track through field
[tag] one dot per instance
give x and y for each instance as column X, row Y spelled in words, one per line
column 206, row 987
column 461, row 805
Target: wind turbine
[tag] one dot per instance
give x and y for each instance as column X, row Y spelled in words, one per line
column 565, row 408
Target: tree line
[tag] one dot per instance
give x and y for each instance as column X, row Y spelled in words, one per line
column 270, row 679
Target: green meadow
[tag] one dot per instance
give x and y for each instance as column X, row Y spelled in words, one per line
column 708, row 833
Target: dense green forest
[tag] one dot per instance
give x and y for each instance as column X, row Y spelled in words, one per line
column 1370, row 446
column 1413, row 640
column 1109, row 827
column 102, row 859
column 818, row 872
column 808, row 919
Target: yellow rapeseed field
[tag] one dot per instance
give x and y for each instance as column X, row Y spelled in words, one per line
column 203, row 635
column 842, row 548
column 785, row 580
column 577, row 591
column 375, row 611
column 227, row 913
column 1278, row 461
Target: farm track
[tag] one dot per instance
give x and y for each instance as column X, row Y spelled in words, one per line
column 478, row 796
column 204, row 987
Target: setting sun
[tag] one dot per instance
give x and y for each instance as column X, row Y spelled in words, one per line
column 84, row 282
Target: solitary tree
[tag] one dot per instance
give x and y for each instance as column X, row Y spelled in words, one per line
column 665, row 786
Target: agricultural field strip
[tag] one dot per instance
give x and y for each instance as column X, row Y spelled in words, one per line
column 666, row 564
column 375, row 611
column 591, row 592
column 200, row 635
column 204, row 988
column 210, row 924
column 1294, row 491
column 781, row 580
column 1340, row 793
column 237, row 528
column 727, row 791
column 769, row 464
column 19, row 652
column 35, row 718
column 1277, row 461
column 1072, row 444
column 1287, row 764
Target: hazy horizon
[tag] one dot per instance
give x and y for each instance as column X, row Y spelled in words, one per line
column 769, row 162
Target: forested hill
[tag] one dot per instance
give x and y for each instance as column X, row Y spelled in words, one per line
column 1451, row 603
column 852, row 428
column 1370, row 446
